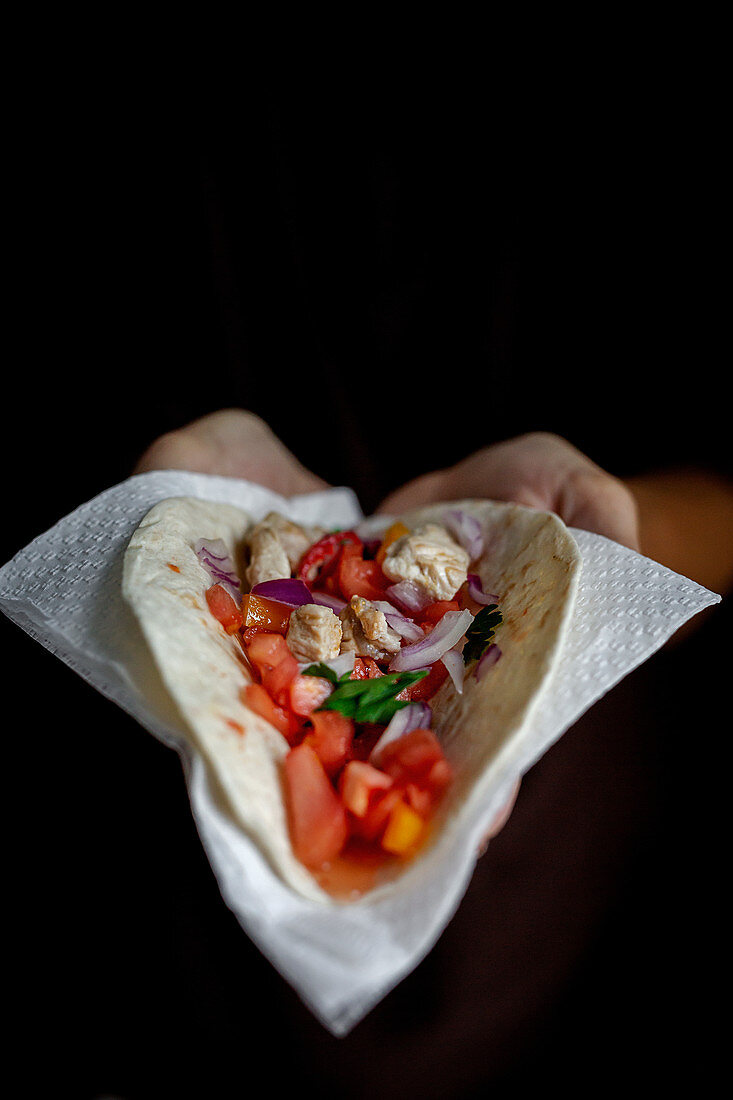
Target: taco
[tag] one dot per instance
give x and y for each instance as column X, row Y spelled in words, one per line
column 350, row 690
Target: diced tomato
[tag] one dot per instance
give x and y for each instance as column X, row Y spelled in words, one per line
column 434, row 612
column 403, row 830
column 317, row 817
column 411, row 757
column 323, row 554
column 424, row 796
column 224, row 608
column 277, row 680
column 266, row 650
column 258, row 700
column 331, row 738
column 262, row 614
column 365, row 668
column 307, row 693
column 424, row 689
column 359, row 577
column 358, row 782
column 371, row 826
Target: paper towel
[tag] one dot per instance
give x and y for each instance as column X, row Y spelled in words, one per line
column 63, row 589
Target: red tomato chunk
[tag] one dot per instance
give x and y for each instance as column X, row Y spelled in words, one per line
column 416, row 758
column 360, row 577
column 256, row 698
column 425, row 689
column 306, row 693
column 266, row 650
column 224, row 608
column 331, row 739
column 434, row 612
column 318, row 823
column 277, row 681
column 358, row 782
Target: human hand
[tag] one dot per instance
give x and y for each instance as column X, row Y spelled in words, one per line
column 231, row 443
column 540, row 470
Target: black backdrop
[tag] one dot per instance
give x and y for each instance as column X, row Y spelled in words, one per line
column 391, row 283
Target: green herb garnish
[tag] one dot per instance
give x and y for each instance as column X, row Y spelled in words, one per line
column 481, row 632
column 370, row 700
column 324, row 672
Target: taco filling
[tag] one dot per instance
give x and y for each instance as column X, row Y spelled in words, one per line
column 353, row 693
column 348, row 639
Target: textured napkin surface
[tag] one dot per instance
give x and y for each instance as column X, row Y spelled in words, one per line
column 63, row 589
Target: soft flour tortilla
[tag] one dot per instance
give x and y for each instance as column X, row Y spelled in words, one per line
column 530, row 561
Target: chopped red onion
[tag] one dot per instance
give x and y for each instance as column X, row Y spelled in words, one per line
column 325, row 599
column 453, row 661
column 476, row 590
column 412, row 717
column 410, row 596
column 487, row 660
column 447, row 633
column 216, row 560
column 287, row 590
column 467, row 530
column 403, row 626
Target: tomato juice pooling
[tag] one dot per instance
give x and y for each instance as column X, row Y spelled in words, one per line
column 347, row 642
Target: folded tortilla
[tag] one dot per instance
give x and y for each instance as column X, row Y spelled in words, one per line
column 530, row 560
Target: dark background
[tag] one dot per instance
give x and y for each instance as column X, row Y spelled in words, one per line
column 391, row 282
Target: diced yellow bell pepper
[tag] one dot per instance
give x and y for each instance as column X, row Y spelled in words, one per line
column 403, row 829
column 394, row 532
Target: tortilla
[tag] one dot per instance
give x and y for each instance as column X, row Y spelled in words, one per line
column 530, row 561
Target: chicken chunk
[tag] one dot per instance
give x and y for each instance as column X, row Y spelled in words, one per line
column 430, row 557
column 294, row 538
column 366, row 632
column 267, row 558
column 314, row 633
column 276, row 545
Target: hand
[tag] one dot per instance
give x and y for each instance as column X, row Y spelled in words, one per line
column 231, row 443
column 540, row 470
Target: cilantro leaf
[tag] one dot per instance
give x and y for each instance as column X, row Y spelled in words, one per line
column 481, row 632
column 370, row 700
column 321, row 670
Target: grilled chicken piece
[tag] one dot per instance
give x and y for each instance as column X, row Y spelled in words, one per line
column 430, row 557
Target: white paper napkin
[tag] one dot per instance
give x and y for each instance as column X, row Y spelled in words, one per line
column 63, row 589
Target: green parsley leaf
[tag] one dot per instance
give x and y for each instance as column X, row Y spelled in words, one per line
column 481, row 632
column 321, row 670
column 369, row 700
